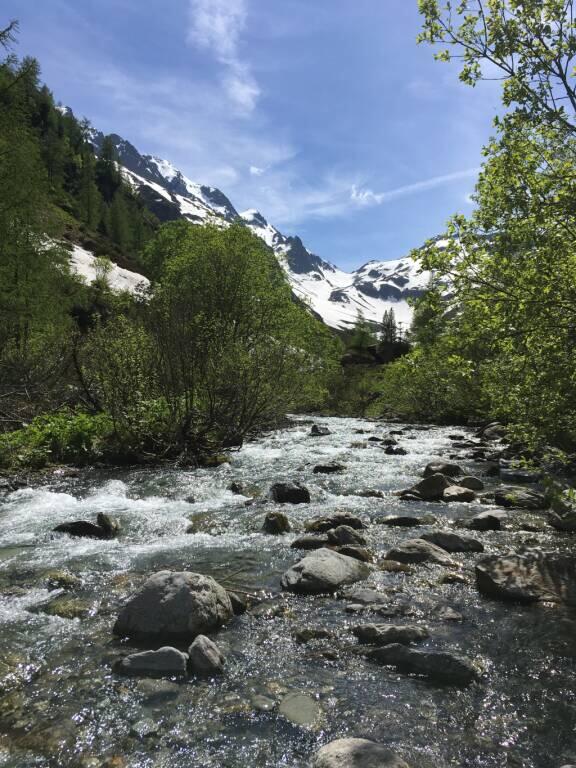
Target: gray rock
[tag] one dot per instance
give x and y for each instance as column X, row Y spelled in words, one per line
column 440, row 667
column 452, row 542
column 528, row 577
column 400, row 521
column 104, row 528
column 419, row 551
column 328, row 469
column 310, row 542
column 473, row 483
column 205, row 657
column 522, row 498
column 276, row 523
column 323, row 571
column 165, row 662
column 358, row 553
column 515, row 475
column 290, row 493
column 175, row 604
column 300, row 708
column 432, row 487
column 457, row 493
column 390, row 450
column 443, row 468
column 344, row 534
column 563, row 521
column 487, row 521
column 324, row 524
column 493, row 431
column 239, row 604
column 356, row 753
column 319, row 431
column 385, row 634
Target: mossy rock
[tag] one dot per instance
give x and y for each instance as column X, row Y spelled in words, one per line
column 60, row 579
column 213, row 460
column 68, row 607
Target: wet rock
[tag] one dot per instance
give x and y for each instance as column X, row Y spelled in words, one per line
column 400, row 521
column 358, row 553
column 175, row 604
column 319, row 431
column 408, row 496
column 456, row 493
column 493, row 431
column 239, row 604
column 432, row 487
column 328, row 469
column 452, row 542
column 67, row 607
column 306, row 634
column 440, row 667
column 237, row 488
column 375, row 439
column 521, row 498
column 443, row 468
column 290, row 493
column 446, row 613
column 389, row 441
column 419, row 551
column 213, row 460
column 456, row 437
column 165, row 662
column 366, row 596
column 276, row 523
column 345, row 534
column 263, row 703
column 473, row 483
column 392, row 566
column 563, row 521
column 369, row 493
column 356, row 753
column 528, row 577
column 453, row 578
column 392, row 451
column 323, row 571
column 515, row 475
column 205, row 658
column 486, row 521
column 61, row 580
column 310, row 542
column 300, row 708
column 386, row 634
column 104, row 528
column 324, row 524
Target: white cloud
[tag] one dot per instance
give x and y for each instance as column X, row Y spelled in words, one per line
column 217, row 26
column 364, row 197
column 255, row 171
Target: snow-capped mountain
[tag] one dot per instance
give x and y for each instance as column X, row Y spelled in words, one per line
column 338, row 297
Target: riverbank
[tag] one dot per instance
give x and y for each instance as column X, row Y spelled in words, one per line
column 280, row 698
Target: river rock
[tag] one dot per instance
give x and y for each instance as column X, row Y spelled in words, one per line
column 290, row 493
column 310, row 542
column 358, row 553
column 205, row 657
column 419, row 551
column 389, row 441
column 565, row 521
column 300, row 708
column 517, row 475
column 528, row 577
column 493, row 431
column 487, row 521
column 104, row 528
column 442, row 468
column 176, row 605
column 386, row 634
column 457, row 493
column 356, row 753
column 319, row 431
column 165, row 662
column 390, row 450
column 522, row 498
column 400, row 521
column 324, row 524
column 473, row 483
column 276, row 523
column 441, row 667
column 345, row 534
column 323, row 571
column 452, row 542
column 432, row 487
column 239, row 604
column 328, row 469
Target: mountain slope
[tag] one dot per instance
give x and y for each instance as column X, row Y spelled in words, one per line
column 338, row 297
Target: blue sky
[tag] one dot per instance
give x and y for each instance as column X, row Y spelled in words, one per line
column 323, row 114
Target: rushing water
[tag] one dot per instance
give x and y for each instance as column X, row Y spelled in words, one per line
column 63, row 706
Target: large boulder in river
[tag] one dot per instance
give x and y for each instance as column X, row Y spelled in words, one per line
column 452, row 542
column 521, row 498
column 356, row 753
column 528, row 577
column 276, row 523
column 165, row 662
column 290, row 493
column 432, row 487
column 323, row 571
column 442, row 468
column 105, row 527
column 177, row 605
column 440, row 667
column 419, row 551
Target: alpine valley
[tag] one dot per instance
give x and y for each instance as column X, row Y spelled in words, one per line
column 337, row 297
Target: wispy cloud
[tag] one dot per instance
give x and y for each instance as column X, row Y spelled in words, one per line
column 364, row 197
column 217, row 26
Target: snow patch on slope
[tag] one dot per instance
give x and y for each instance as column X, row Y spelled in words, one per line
column 84, row 264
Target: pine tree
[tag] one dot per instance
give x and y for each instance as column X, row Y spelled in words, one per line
column 389, row 329
column 120, row 230
column 89, row 198
column 107, row 174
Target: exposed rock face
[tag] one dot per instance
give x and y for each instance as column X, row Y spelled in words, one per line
column 175, row 605
column 457, row 493
column 446, row 668
column 344, row 534
column 419, row 551
column 205, row 657
column 290, row 493
column 452, row 542
column 104, row 528
column 323, row 571
column 356, row 753
column 528, row 577
column 276, row 523
column 165, row 662
column 385, row 634
column 521, row 498
column 443, row 468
